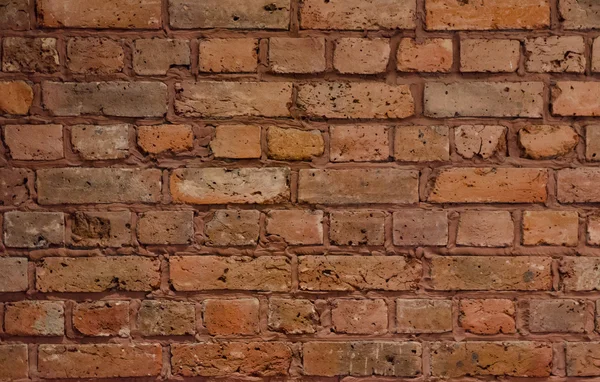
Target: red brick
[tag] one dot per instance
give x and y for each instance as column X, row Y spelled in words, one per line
column 34, row 142
column 15, row 15
column 361, row 55
column 596, row 55
column 232, row 228
column 34, row 318
column 166, row 318
column 575, row 98
column 423, row 316
column 578, row 185
column 237, row 142
column 579, row 14
column 226, row 317
column 13, row 186
column 555, row 54
column 102, row 318
column 550, row 228
column 161, row 138
column 103, row 229
column 14, row 277
column 95, row 56
column 100, row 142
column 593, row 230
column 297, row 55
column 430, row 55
column 547, row 141
column 166, row 227
column 292, row 316
column 229, row 55
column 294, row 144
column 357, row 227
column 485, row 229
column 421, row 143
column 580, row 273
column 30, row 55
column 33, row 229
column 581, row 359
column 479, row 141
column 557, row 316
column 14, row 362
column 296, row 227
column 359, row 143
column 408, row 227
column 359, row 316
column 494, row 55
column 157, row 55
column 16, row 97
column 592, row 142
column 489, row 316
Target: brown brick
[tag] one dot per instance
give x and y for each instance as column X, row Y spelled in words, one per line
column 251, row 14
column 292, row 316
column 107, row 142
column 348, row 273
column 592, row 143
column 517, row 359
column 494, row 15
column 117, row 98
column 408, row 227
column 423, row 316
column 22, row 54
column 166, row 318
column 593, row 230
column 224, row 186
column 361, row 55
column 261, row 359
column 294, row 144
column 14, row 276
column 130, row 14
column 562, row 316
column 232, row 99
column 581, row 359
column 98, row 185
column 35, row 318
column 578, row 185
column 33, row 229
column 490, row 316
column 237, row 142
column 97, row 274
column 358, row 14
column 579, row 14
column 357, row 186
column 99, row 360
column 494, row 55
column 229, row 55
column 359, row 143
column 102, row 318
column 491, row 273
column 357, row 227
column 490, row 185
column 576, row 98
column 555, row 54
column 296, row 227
column 580, row 273
column 14, row 362
column 269, row 273
column 328, row 359
column 166, row 227
column 156, row 56
column 421, row 143
column 95, row 56
column 103, row 229
column 232, row 228
column 430, row 55
column 15, row 14
column 485, row 229
column 34, row 142
column 160, row 138
column 479, row 141
column 13, row 186
column 226, row 317
column 297, row 55
column 15, row 97
column 359, row 316
column 355, row 100
column 550, row 228
column 484, row 99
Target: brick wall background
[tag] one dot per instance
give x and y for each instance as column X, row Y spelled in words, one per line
column 313, row 190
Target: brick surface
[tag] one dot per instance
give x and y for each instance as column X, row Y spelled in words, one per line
column 294, row 144
column 592, row 143
column 227, row 317
column 360, row 143
column 30, row 55
column 581, row 359
column 359, row 316
column 292, row 316
column 421, row 143
column 33, row 229
column 100, row 142
column 102, row 318
column 575, row 98
column 494, row 55
column 489, row 316
column 232, row 55
column 166, row 318
column 34, row 318
column 15, row 15
column 34, row 142
column 157, row 56
column 166, row 227
column 580, row 274
column 555, row 54
column 361, row 56
column 423, row 316
column 579, row 14
column 431, row 55
column 95, row 56
column 485, row 229
column 14, row 277
column 160, row 138
column 237, row 142
column 357, row 227
column 408, row 227
column 15, row 97
column 103, row 229
column 297, row 55
column 14, row 360
column 232, row 227
column 547, row 316
column 550, row 228
column 472, row 141
column 578, row 185
column 545, row 142
column 13, row 186
column 296, row 227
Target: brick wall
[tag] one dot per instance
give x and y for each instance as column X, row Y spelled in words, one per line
column 314, row 190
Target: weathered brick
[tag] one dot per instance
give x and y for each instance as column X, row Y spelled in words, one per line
column 166, row 318
column 484, row 99
column 232, row 99
column 490, row 185
column 421, row 143
column 361, row 55
column 358, row 14
column 157, row 55
column 580, row 273
column 34, row 142
column 355, row 100
column 166, row 227
column 578, row 185
column 357, row 227
column 552, row 316
column 479, row 15
column 592, row 143
column 160, row 138
column 408, row 227
column 13, row 186
column 97, row 274
column 555, row 54
column 262, row 359
column 489, row 316
column 517, row 359
column 224, row 186
column 232, row 228
column 479, row 140
column 229, row 55
column 269, row 273
column 485, row 229
column 99, row 360
column 596, row 55
column 356, row 186
column 423, row 316
column 347, row 273
column 232, row 14
column 34, row 318
column 430, row 55
column 117, row 98
column 328, row 359
column 550, row 228
column 33, row 229
column 21, row 54
column 579, row 14
column 95, row 56
column 359, row 316
column 490, row 273
column 294, row 144
column 576, row 98
column 593, row 230
column 128, row 14
column 297, row 55
column 14, row 276
column 493, row 55
column 98, row 185
column 15, row 14
column 237, row 142
column 14, row 361
column 581, row 359
column 93, row 142
column 359, row 143
column 296, row 227
column 15, row 97
column 292, row 316
column 227, row 317
column 103, row 229
column 102, row 318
